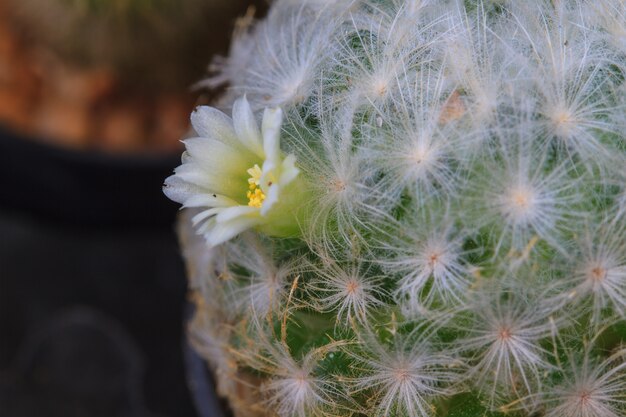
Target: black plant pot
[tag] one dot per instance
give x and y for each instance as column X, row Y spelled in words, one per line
column 84, row 189
column 200, row 381
column 92, row 287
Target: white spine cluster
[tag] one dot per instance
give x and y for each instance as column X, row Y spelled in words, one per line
column 456, row 206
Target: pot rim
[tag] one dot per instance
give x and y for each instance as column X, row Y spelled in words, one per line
column 86, row 189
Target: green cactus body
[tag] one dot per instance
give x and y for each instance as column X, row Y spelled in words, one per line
column 453, row 179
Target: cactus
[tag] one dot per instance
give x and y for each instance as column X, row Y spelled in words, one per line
column 431, row 219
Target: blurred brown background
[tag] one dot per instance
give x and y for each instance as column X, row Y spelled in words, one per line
column 108, row 74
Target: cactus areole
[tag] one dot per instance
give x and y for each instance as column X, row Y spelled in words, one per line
column 413, row 208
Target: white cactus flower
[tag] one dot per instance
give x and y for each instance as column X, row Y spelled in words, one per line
column 236, row 174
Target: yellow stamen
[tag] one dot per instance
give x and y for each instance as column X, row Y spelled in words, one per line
column 255, row 194
column 255, row 175
column 256, row 198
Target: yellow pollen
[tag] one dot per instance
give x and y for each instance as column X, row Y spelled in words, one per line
column 256, row 198
column 255, row 194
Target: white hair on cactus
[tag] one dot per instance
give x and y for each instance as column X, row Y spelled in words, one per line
column 349, row 291
column 324, row 5
column 428, row 261
column 503, row 343
column 416, row 150
column 295, row 387
column 231, row 69
column 259, row 283
column 610, row 16
column 524, row 195
column 600, row 272
column 344, row 197
column 404, row 378
column 569, row 74
column 590, row 385
column 482, row 65
column 621, row 203
column 289, row 48
column 371, row 75
column 406, row 27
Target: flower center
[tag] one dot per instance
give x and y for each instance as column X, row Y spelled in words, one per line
column 352, row 286
column 255, row 194
column 504, row 333
column 598, row 273
column 433, row 259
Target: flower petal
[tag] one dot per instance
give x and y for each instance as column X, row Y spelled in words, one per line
column 209, row 200
column 246, row 126
column 209, row 122
column 231, row 213
column 289, row 172
column 205, row 214
column 271, row 198
column 221, row 232
column 268, row 175
column 217, row 156
column 179, row 190
column 194, row 174
column 272, row 120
